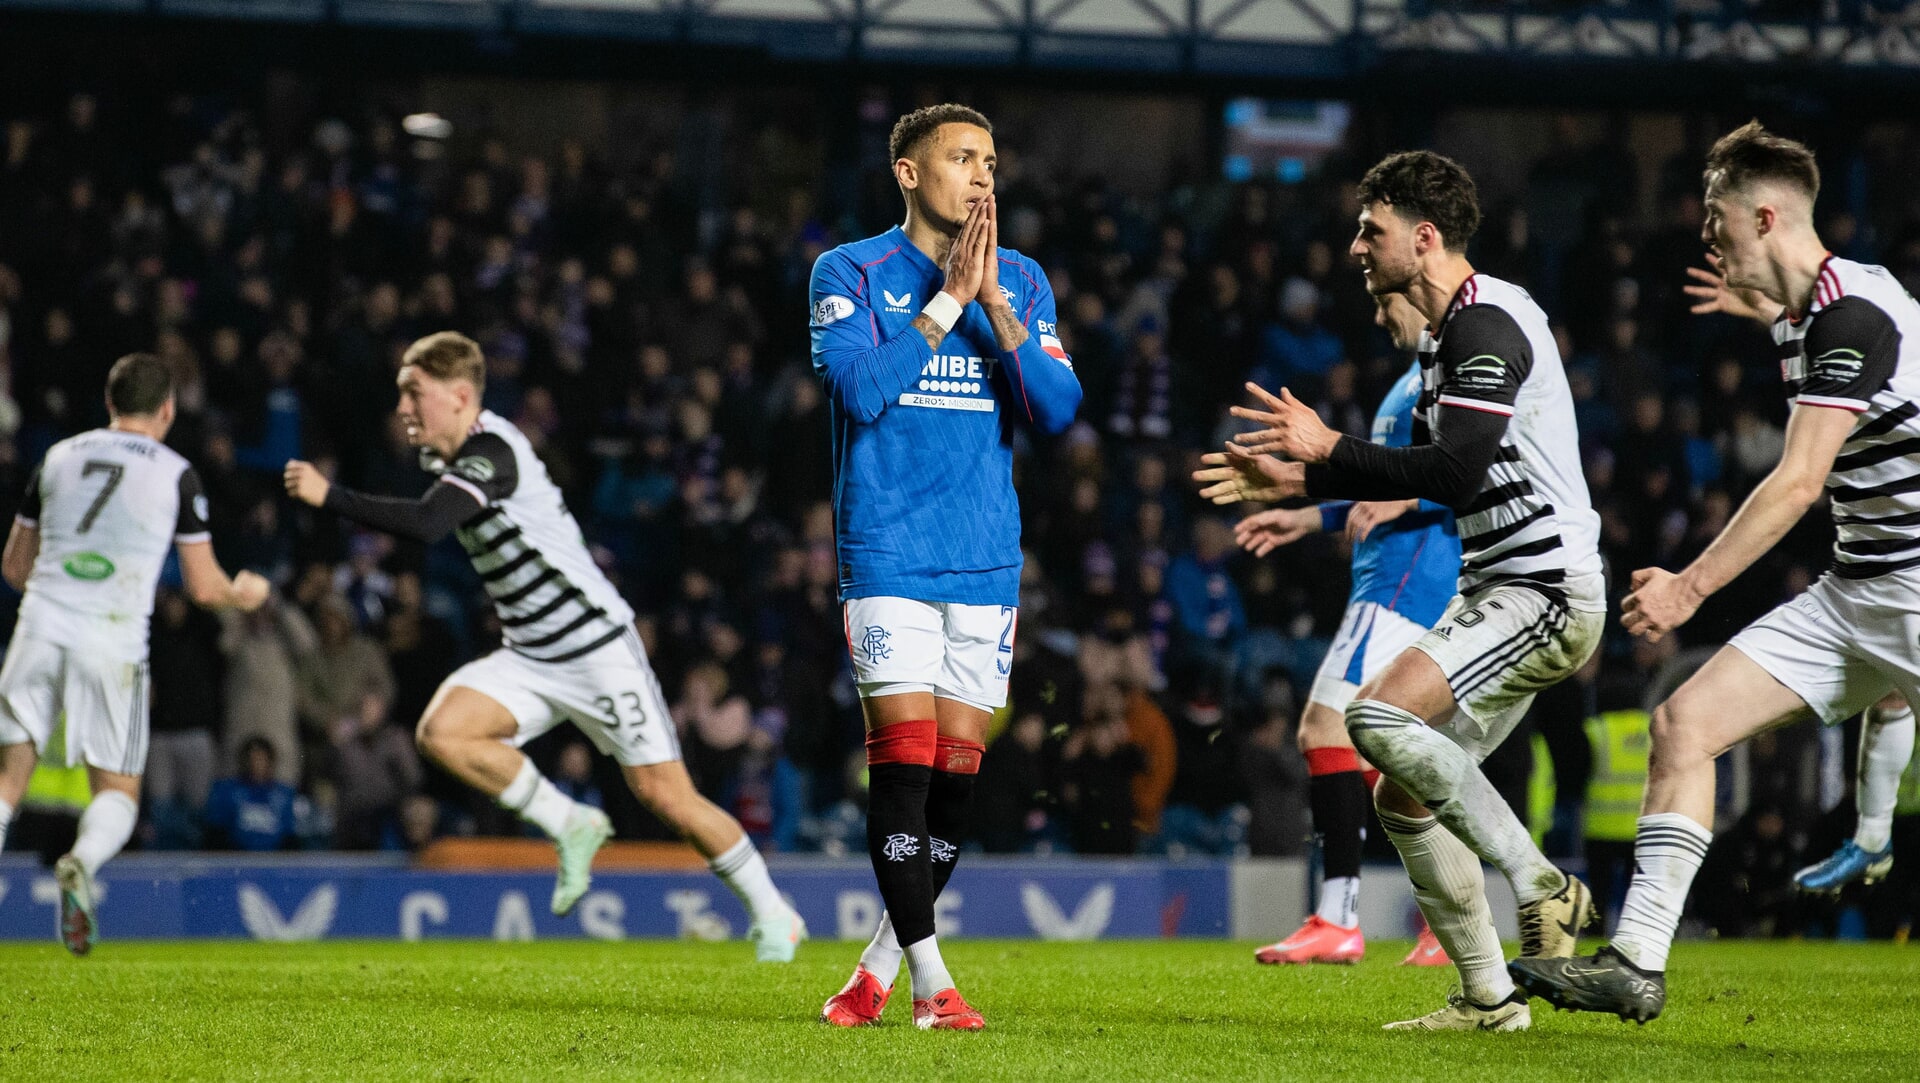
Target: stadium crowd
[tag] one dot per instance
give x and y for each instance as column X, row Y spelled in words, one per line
column 650, row 339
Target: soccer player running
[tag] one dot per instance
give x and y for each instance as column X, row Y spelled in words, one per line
column 87, row 547
column 570, row 651
column 1887, row 727
column 1849, row 347
column 1494, row 439
column 933, row 344
column 1406, row 558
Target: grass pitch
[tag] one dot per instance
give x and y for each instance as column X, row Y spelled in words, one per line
column 1104, row 1011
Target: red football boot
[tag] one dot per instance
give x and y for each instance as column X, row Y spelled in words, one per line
column 1318, row 941
column 859, row 1003
column 946, row 1010
column 1426, row 951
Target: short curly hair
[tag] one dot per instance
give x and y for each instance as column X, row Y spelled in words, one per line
column 1422, row 186
column 1750, row 155
column 914, row 128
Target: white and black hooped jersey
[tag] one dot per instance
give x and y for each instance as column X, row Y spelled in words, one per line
column 553, row 602
column 108, row 505
column 1858, row 349
column 1532, row 520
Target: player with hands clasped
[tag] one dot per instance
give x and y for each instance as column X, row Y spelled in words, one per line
column 1406, row 558
column 570, row 650
column 87, row 546
column 1848, row 337
column 1493, row 439
column 933, row 343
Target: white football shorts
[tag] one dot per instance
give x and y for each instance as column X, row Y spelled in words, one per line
column 611, row 695
column 104, row 700
column 958, row 652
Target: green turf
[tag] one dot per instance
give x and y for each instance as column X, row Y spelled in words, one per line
column 1106, row 1011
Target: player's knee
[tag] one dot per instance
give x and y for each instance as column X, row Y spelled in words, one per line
column 435, row 736
column 1674, row 745
column 1372, row 727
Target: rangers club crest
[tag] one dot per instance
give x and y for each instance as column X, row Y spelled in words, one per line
column 900, row 847
column 942, row 850
column 874, row 643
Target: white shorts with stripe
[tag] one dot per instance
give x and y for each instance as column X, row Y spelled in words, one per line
column 610, row 694
column 956, row 651
column 104, row 701
column 1499, row 648
column 1839, row 646
column 1370, row 636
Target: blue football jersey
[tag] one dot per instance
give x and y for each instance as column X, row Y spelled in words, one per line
column 923, row 498
column 1411, row 565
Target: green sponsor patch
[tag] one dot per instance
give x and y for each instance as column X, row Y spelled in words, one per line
column 89, row 566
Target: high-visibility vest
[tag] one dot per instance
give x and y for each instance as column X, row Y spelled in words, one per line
column 54, row 785
column 1540, row 792
column 1621, row 743
column 1907, row 802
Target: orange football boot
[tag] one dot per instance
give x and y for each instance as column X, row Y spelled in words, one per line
column 946, row 1010
column 859, row 1003
column 1426, row 951
column 1318, row 941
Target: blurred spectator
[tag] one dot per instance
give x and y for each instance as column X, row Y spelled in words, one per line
column 265, row 652
column 254, row 810
column 573, row 775
column 186, row 711
column 376, row 767
column 346, row 667
column 1100, row 763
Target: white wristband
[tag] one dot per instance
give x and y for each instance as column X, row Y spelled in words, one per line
column 943, row 310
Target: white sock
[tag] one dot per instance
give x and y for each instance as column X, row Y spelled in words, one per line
column 745, row 871
column 536, row 800
column 1452, row 893
column 1440, row 775
column 882, row 955
column 104, row 829
column 1340, row 901
column 6, row 818
column 1886, row 746
column 926, row 969
column 1666, row 854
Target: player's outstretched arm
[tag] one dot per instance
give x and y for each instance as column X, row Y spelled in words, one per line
column 864, row 375
column 1041, row 384
column 23, row 547
column 210, row 588
column 449, row 503
column 1662, row 600
column 1711, row 294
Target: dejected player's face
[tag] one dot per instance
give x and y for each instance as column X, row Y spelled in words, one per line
column 953, row 171
column 1403, row 321
column 431, row 408
column 1384, row 245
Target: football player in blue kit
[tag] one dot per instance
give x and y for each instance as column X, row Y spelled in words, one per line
column 1406, row 562
column 933, row 344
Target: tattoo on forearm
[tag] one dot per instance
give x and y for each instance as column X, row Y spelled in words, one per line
column 929, row 330
column 1007, row 327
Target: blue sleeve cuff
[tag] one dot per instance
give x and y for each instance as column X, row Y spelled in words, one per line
column 1333, row 515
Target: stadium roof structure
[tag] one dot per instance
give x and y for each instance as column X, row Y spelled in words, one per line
column 1292, row 39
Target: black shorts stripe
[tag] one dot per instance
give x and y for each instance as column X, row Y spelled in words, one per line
column 1489, row 665
column 494, row 542
column 1878, row 453
column 494, row 575
column 546, row 610
column 532, row 585
column 1843, row 494
column 1507, row 454
column 1494, row 497
column 578, row 652
column 1872, row 569
column 1889, row 421
column 550, row 639
column 1519, row 552
column 1486, row 538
